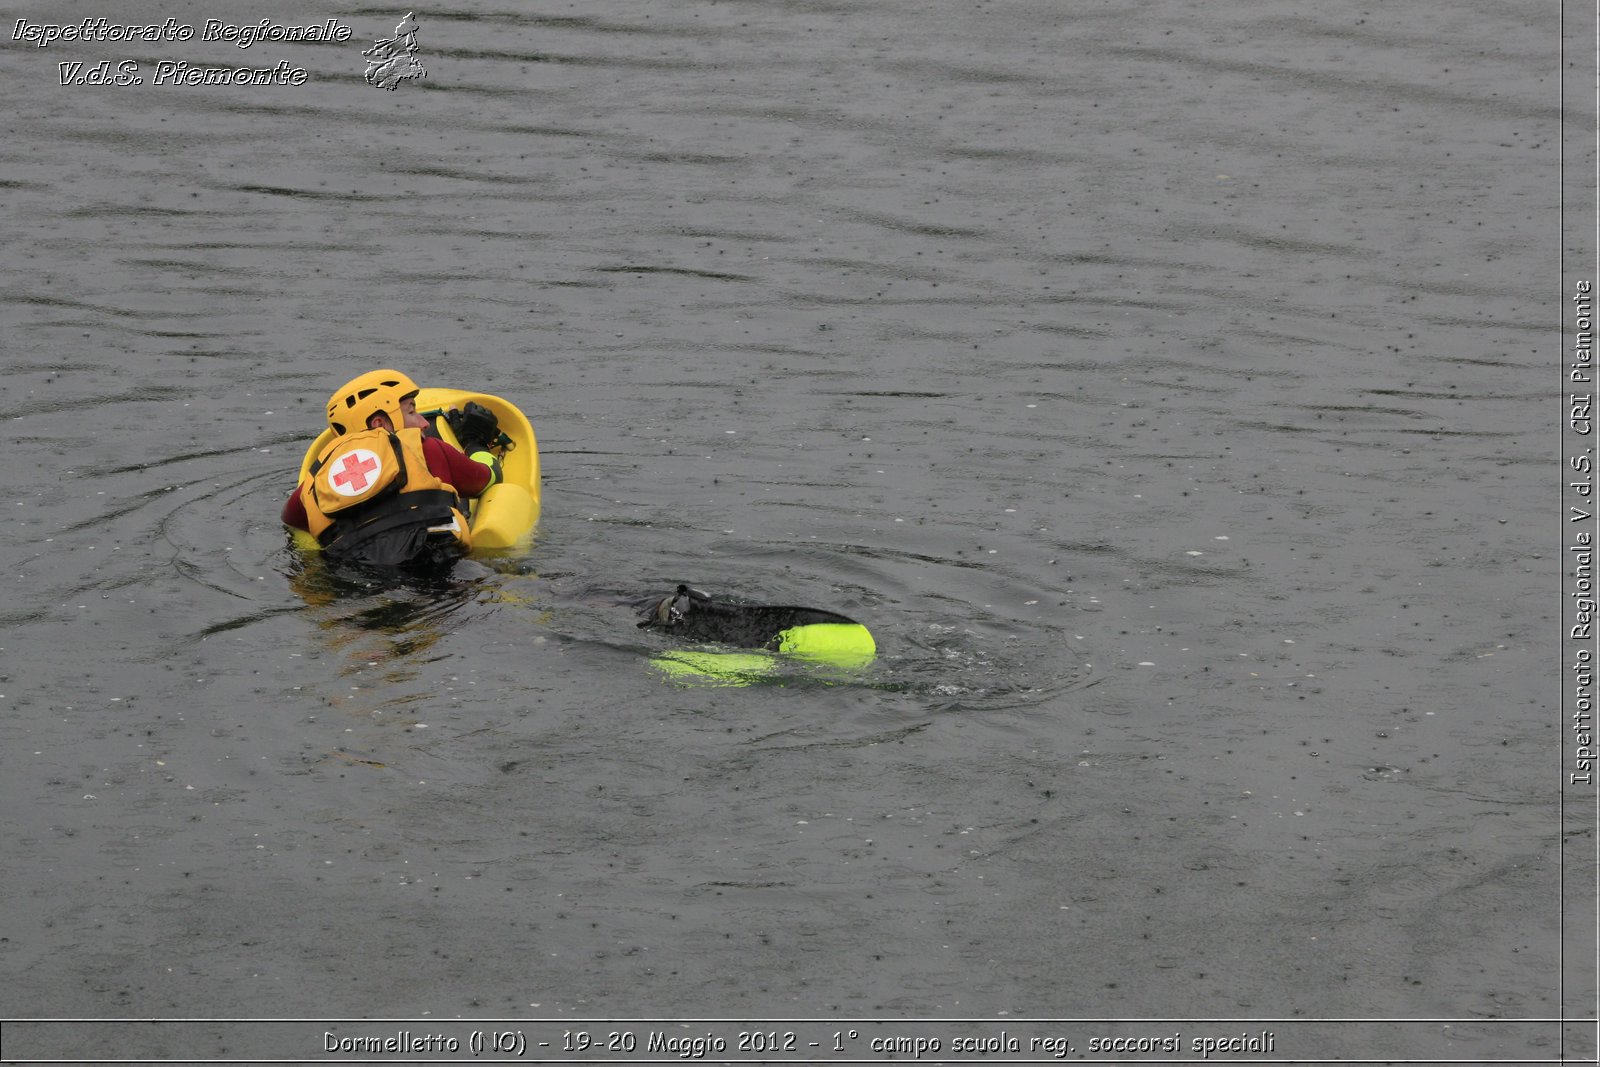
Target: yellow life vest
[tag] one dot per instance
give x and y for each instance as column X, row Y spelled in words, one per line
column 370, row 496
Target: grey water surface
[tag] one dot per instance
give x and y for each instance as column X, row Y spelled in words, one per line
column 1161, row 384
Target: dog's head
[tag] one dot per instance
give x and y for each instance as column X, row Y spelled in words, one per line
column 670, row 611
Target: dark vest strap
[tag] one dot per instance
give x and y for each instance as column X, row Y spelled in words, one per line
column 424, row 507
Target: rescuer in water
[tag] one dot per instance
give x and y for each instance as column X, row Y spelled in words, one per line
column 387, row 490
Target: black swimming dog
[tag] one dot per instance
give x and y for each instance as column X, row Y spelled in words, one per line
column 691, row 614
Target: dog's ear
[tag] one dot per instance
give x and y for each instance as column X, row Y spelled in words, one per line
column 659, row 613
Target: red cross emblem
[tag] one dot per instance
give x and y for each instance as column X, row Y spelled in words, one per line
column 351, row 476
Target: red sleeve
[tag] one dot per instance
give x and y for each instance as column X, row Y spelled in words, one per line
column 294, row 512
column 452, row 465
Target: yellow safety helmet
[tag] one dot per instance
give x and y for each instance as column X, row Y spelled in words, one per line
column 356, row 401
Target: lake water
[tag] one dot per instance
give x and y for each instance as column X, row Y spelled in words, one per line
column 1167, row 386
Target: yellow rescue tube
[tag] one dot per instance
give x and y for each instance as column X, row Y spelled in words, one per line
column 847, row 646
